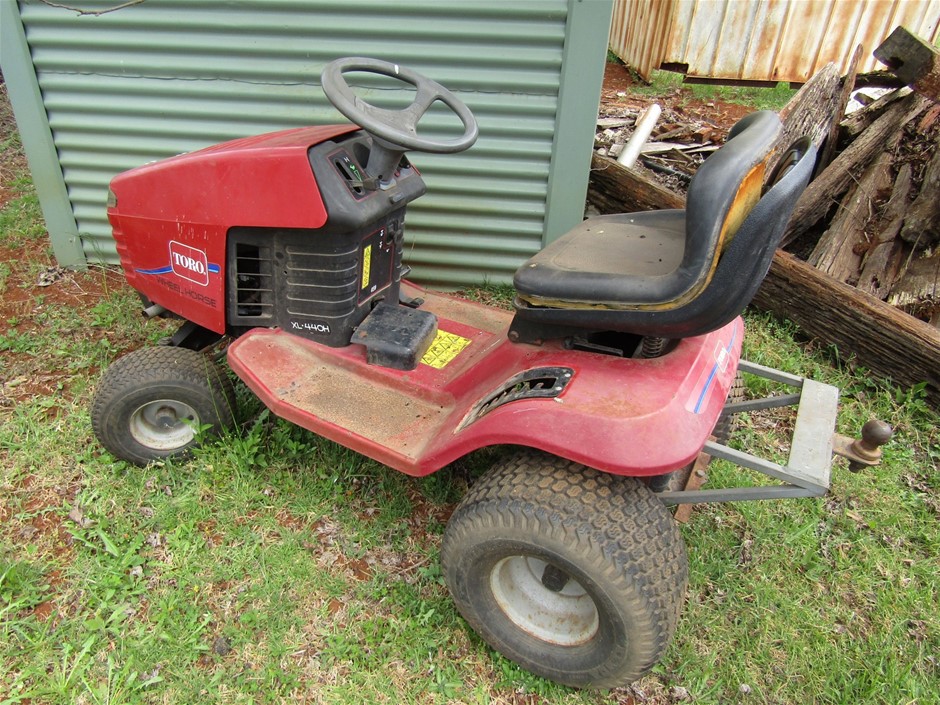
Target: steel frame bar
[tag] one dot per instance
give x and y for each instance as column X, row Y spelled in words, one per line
column 807, row 471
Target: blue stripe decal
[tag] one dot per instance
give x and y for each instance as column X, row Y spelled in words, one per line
column 711, row 376
column 213, row 269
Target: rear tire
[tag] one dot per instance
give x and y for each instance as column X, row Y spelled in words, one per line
column 159, row 402
column 727, row 421
column 576, row 575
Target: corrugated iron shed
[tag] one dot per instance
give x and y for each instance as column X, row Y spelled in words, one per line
column 763, row 40
column 98, row 94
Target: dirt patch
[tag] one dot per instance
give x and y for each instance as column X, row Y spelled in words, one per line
column 686, row 132
column 619, row 93
column 32, row 286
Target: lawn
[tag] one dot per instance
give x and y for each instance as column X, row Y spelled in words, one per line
column 277, row 567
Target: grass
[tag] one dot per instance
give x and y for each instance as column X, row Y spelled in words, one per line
column 277, row 567
column 665, row 83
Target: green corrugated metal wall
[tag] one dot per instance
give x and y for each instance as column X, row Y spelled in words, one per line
column 167, row 76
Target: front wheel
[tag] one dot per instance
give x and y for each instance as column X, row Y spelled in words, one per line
column 154, row 402
column 576, row 575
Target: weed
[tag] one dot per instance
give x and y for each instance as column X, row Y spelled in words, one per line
column 21, row 218
column 18, row 342
column 491, row 294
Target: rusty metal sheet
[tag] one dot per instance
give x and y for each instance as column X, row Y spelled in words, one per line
column 767, row 40
column 639, row 31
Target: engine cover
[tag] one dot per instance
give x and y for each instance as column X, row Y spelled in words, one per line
column 275, row 230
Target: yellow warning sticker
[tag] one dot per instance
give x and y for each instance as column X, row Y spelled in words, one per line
column 446, row 347
column 366, row 266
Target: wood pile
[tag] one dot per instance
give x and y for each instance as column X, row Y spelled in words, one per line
column 872, row 216
column 675, row 132
column 862, row 267
column 679, row 145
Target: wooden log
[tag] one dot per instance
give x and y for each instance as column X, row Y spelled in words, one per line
column 881, row 338
column 839, row 251
column 882, row 263
column 828, row 188
column 812, row 111
column 877, row 79
column 848, row 85
column 854, row 124
column 913, row 60
column 616, row 189
column 929, row 119
column 922, row 222
column 918, row 287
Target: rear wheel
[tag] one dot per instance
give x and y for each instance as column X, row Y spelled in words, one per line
column 156, row 402
column 576, row 575
column 726, row 422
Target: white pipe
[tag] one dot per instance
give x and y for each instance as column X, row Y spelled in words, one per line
column 644, row 128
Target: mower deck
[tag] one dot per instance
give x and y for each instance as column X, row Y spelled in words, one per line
column 474, row 389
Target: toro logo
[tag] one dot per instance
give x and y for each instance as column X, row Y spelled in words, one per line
column 189, row 263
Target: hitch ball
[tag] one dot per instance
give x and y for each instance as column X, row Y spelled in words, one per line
column 866, row 451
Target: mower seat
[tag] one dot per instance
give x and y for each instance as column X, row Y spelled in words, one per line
column 671, row 273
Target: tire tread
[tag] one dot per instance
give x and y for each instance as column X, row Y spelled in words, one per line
column 155, row 366
column 616, row 521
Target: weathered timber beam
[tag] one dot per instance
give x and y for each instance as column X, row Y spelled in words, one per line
column 914, row 61
column 617, row 189
column 888, row 342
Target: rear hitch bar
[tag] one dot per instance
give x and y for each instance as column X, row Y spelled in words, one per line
column 812, row 446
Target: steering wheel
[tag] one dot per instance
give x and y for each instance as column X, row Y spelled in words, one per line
column 399, row 128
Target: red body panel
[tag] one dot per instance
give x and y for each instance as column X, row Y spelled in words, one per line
column 624, row 416
column 173, row 246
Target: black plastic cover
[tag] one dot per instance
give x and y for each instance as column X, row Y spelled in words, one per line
column 321, row 283
column 396, row 336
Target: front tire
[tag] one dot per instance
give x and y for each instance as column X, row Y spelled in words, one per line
column 156, row 403
column 576, row 575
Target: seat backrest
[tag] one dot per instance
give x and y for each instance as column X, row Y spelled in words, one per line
column 723, row 192
column 721, row 208
column 747, row 258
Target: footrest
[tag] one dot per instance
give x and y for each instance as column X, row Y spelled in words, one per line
column 396, row 336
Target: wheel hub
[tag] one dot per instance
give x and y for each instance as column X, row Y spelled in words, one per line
column 166, row 416
column 544, row 600
column 164, row 424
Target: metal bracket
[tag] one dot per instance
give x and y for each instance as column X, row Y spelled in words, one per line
column 806, row 473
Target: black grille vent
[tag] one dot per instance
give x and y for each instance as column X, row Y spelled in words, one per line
column 540, row 383
column 318, row 284
column 254, row 284
column 320, row 281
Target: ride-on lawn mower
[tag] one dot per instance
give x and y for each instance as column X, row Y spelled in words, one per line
column 609, row 379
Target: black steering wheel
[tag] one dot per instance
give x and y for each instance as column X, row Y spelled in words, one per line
column 399, row 128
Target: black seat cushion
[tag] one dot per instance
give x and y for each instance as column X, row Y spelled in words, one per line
column 736, row 279
column 630, row 258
